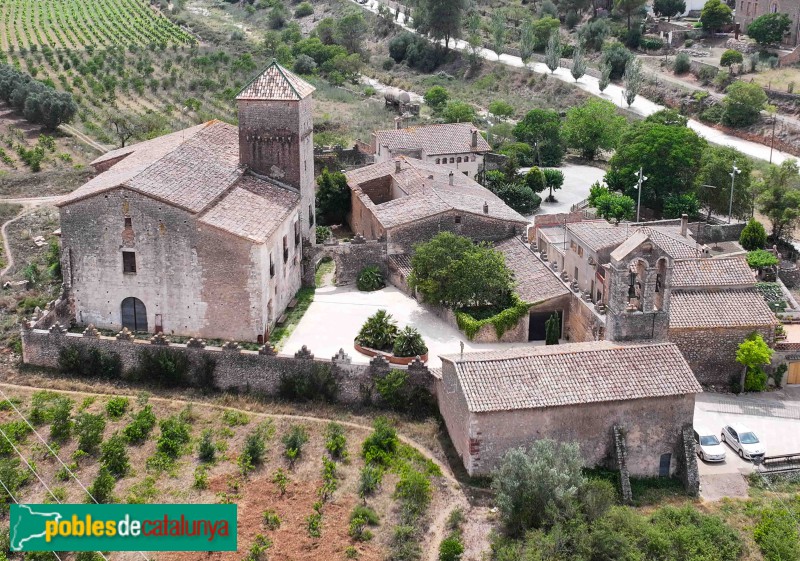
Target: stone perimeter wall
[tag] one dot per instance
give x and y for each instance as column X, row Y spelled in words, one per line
column 236, row 369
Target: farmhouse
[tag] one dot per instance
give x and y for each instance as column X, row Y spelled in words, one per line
column 406, row 201
column 198, row 232
column 495, row 401
column 456, row 146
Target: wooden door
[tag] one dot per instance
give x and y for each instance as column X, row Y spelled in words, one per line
column 794, row 373
column 134, row 314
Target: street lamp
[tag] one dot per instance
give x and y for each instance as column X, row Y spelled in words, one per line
column 734, row 172
column 641, row 179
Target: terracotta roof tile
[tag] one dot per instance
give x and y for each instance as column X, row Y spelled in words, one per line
column 726, row 271
column 535, row 281
column 726, row 308
column 452, row 138
column 276, row 83
column 559, row 375
column 599, row 234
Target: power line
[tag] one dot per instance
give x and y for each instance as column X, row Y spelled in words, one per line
column 13, row 498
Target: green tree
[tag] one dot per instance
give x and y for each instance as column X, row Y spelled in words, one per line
column 351, row 29
column 753, row 236
column 669, row 155
column 594, row 34
column 667, row 117
column 454, row 272
column 436, row 98
column 617, row 56
column 605, row 77
column 614, row 206
column 633, row 79
column 458, row 112
column 743, row 103
column 629, row 8
column 533, row 487
column 769, row 29
column 89, row 430
column 518, row 196
column 715, row 15
column 552, row 54
column 497, row 31
column 500, row 108
column 730, row 57
column 554, row 179
column 527, row 40
column 713, row 183
column 543, row 29
column 114, row 456
column 333, row 197
column 441, row 19
column 593, row 126
column 535, row 180
column 752, row 353
column 779, row 199
column 541, row 128
column 552, row 328
column 678, row 204
column 578, row 63
column 669, row 8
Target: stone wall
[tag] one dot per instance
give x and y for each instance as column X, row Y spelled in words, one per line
column 477, row 227
column 730, row 232
column 235, row 369
column 791, row 58
column 688, row 470
column 584, row 324
column 711, row 353
column 349, row 257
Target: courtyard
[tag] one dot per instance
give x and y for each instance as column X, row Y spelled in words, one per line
column 338, row 312
column 577, row 181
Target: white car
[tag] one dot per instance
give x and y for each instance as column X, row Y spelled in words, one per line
column 744, row 442
column 708, row 446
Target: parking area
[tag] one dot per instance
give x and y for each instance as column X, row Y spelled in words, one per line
column 577, row 181
column 773, row 416
column 337, row 314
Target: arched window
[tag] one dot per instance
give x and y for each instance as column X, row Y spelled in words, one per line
column 134, row 314
column 661, row 274
column 458, row 160
column 438, row 160
column 452, row 160
column 774, row 8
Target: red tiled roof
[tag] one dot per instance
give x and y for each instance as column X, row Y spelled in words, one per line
column 276, row 83
column 726, row 308
column 451, row 138
column 531, row 377
column 726, row 271
column 535, row 282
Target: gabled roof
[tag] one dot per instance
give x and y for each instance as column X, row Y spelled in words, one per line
column 450, row 138
column 426, row 191
column 276, row 83
column 535, row 282
column 714, row 309
column 600, row 234
column 673, row 244
column 531, row 377
column 712, row 273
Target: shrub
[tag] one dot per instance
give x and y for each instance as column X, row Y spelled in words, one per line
column 61, row 427
column 91, row 363
column 451, row 548
column 378, row 332
column 706, row 74
column 393, row 388
column 380, row 446
column 317, row 383
column 235, row 418
column 114, row 456
column 753, row 236
column 322, row 233
column 617, row 57
column 166, row 367
column 206, row 450
column 369, row 480
column 409, row 343
column 336, row 441
column 761, row 259
column 303, row 10
column 370, row 279
column 518, row 196
column 594, row 34
column 304, row 64
column 755, row 380
column 116, row 407
column 102, row 488
column 89, row 430
column 776, row 534
column 682, row 64
column 743, row 104
column 271, row 520
column 502, row 320
column 142, row 425
column 254, row 448
column 281, row 480
column 314, row 524
column 730, row 57
column 258, row 549
column 360, row 518
column 293, row 443
column 332, row 198
column 174, row 436
column 414, row 493
column 596, row 497
column 651, row 43
column 200, row 477
column 436, row 98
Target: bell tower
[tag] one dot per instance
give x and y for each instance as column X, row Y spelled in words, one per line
column 639, row 291
column 275, row 134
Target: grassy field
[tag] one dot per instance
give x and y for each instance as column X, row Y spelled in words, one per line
column 302, row 502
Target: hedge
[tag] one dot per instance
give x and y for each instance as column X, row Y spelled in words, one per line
column 502, row 321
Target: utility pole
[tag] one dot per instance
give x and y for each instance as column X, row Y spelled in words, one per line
column 772, row 142
column 734, row 172
column 639, row 182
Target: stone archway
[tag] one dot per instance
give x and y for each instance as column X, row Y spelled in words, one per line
column 134, row 314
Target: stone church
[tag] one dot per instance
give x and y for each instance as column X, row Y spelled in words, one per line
column 199, row 232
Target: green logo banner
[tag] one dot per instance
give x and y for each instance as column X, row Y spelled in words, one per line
column 163, row 527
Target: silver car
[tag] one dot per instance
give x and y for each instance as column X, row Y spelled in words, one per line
column 744, row 442
column 708, row 446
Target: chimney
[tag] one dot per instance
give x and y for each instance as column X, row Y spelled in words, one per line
column 474, row 138
column 397, row 165
column 485, row 207
column 451, row 177
column 684, row 224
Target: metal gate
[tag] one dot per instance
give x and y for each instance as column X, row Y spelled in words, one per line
column 134, row 314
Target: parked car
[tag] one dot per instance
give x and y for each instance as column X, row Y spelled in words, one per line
column 743, row 441
column 708, row 446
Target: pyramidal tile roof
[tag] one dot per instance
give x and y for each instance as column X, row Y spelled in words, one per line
column 276, row 83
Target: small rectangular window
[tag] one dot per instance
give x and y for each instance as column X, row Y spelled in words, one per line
column 128, row 262
column 310, row 215
column 458, row 219
column 128, row 222
column 285, row 250
column 576, row 274
column 580, row 251
column 296, row 233
column 271, row 266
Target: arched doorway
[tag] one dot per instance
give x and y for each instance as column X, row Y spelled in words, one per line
column 134, row 314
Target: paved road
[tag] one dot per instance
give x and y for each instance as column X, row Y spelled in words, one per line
column 614, row 93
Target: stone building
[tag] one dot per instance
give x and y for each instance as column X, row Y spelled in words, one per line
column 496, row 401
column 406, row 201
column 748, row 10
column 456, row 146
column 199, row 232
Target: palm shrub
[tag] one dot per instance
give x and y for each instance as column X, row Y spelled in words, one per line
column 408, row 342
column 370, row 279
column 378, row 332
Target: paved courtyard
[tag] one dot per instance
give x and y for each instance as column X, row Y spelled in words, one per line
column 337, row 314
column 773, row 416
column 577, row 180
